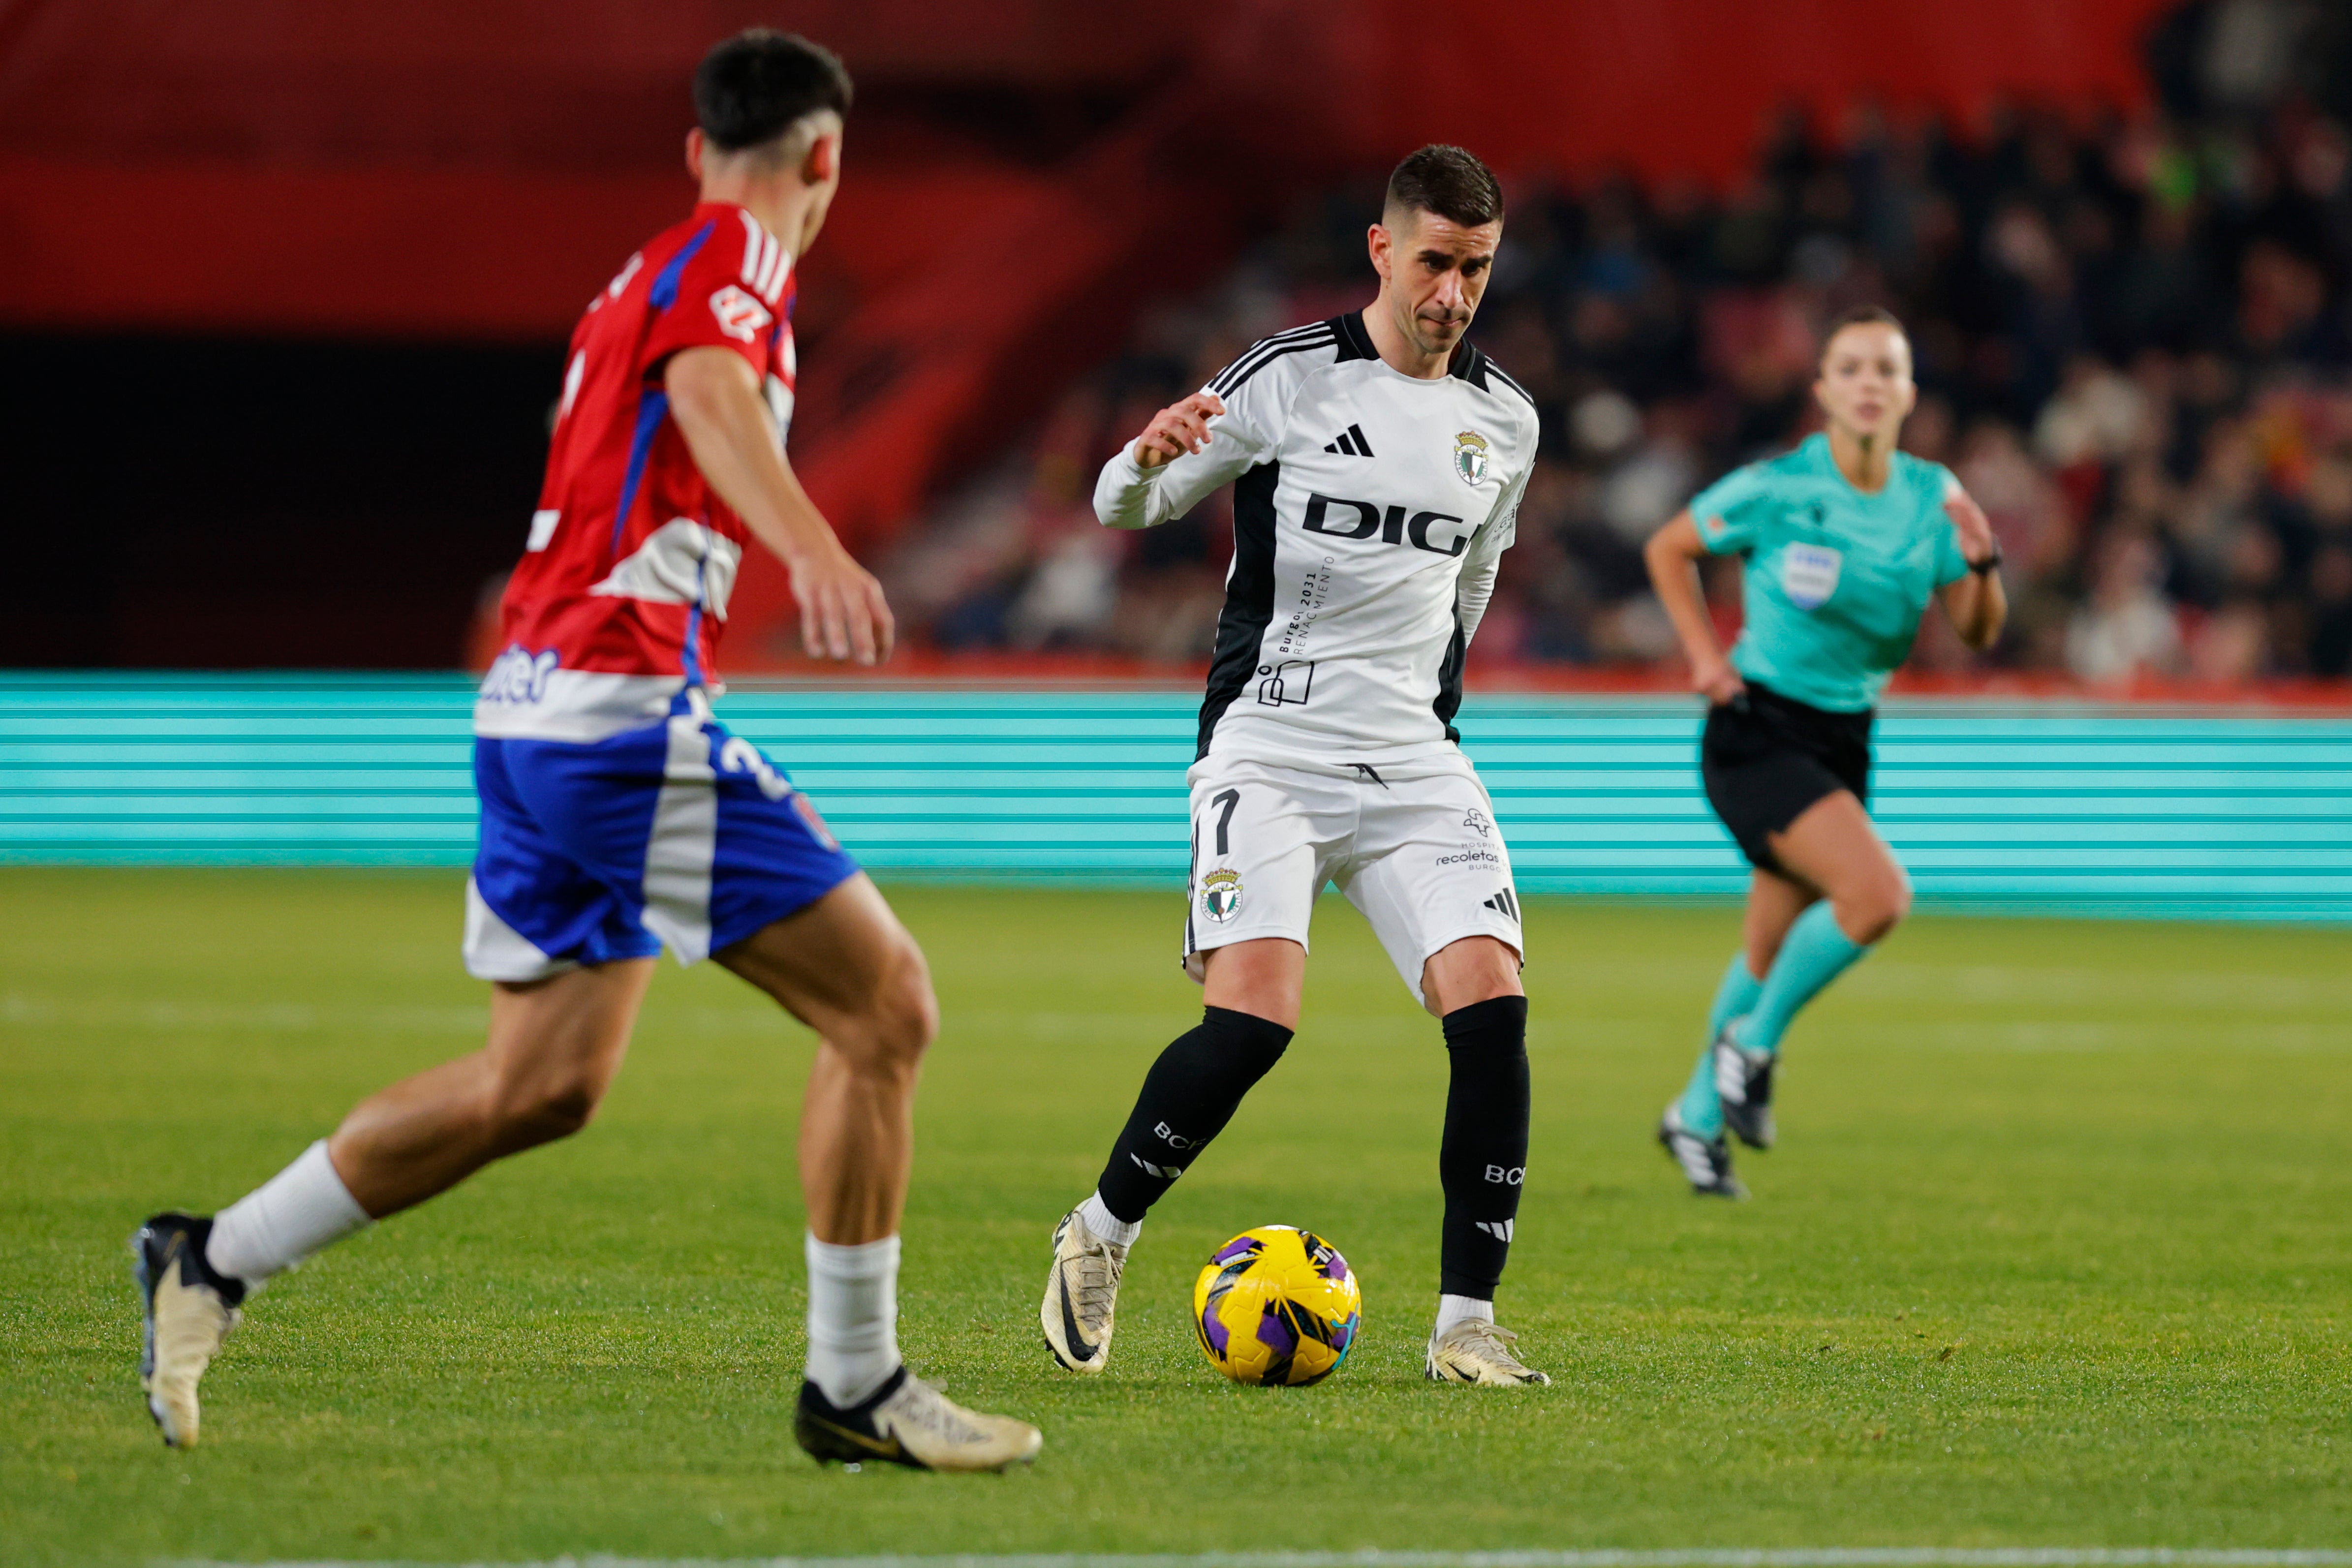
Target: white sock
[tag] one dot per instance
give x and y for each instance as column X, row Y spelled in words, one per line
column 1452, row 1309
column 853, row 1317
column 285, row 1220
column 1109, row 1226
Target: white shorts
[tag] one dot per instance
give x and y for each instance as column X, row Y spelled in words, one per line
column 1415, row 846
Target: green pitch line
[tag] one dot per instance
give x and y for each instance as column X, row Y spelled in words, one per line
column 2054, row 1256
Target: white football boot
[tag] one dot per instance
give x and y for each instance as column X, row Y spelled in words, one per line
column 190, row 1309
column 909, row 1422
column 1475, row 1351
column 1081, row 1295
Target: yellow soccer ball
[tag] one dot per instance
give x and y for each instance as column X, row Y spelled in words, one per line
column 1277, row 1304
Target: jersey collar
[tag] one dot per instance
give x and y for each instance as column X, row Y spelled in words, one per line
column 1817, row 445
column 1468, row 364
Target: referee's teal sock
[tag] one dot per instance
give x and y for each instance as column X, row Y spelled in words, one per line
column 1701, row 1107
column 1814, row 953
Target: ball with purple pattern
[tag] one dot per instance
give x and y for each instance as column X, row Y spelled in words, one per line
column 1278, row 1305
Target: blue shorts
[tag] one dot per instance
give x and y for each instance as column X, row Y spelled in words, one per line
column 676, row 835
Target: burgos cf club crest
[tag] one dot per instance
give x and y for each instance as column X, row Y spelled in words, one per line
column 1470, row 453
column 1221, row 896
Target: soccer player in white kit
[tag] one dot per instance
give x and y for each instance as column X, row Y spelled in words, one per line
column 1377, row 460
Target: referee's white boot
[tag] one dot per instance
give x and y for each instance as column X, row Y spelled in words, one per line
column 1081, row 1296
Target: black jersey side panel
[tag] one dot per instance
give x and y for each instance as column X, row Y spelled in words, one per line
column 1449, row 681
column 1249, row 598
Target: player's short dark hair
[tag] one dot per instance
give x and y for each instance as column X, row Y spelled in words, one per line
column 1861, row 316
column 1449, row 182
column 751, row 88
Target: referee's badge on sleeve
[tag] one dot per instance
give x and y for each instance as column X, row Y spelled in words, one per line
column 1809, row 574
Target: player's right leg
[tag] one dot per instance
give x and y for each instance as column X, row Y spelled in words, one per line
column 1255, row 869
column 554, row 1048
column 1191, row 1091
column 570, row 962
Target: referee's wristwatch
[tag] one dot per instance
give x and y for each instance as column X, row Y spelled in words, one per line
column 1991, row 563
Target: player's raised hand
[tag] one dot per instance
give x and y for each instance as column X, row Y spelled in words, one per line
column 843, row 613
column 1177, row 430
column 1979, row 544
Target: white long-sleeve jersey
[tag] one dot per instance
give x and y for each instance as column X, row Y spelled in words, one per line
column 1371, row 511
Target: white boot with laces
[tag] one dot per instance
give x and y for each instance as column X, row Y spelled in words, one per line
column 1081, row 1296
column 1477, row 1351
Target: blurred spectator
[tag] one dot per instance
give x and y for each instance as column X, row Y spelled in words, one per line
column 2125, row 628
column 2133, row 345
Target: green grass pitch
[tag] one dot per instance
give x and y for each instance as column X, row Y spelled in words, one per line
column 2054, row 1251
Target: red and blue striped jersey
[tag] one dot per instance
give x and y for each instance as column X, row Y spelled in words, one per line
column 623, row 582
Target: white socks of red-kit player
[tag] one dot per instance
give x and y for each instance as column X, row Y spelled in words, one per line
column 853, row 1317
column 284, row 1220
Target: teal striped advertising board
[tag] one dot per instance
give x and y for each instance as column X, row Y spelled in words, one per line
column 2069, row 807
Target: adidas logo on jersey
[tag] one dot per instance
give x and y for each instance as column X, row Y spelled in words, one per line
column 1351, row 442
column 1503, row 904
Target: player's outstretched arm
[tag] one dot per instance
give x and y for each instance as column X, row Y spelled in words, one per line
column 1672, row 556
column 1177, row 430
column 714, row 396
column 1177, row 460
column 1977, row 603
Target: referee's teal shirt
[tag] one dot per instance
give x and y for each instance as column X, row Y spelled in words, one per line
column 1837, row 579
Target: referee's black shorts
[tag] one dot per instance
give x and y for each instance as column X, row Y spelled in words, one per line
column 1767, row 758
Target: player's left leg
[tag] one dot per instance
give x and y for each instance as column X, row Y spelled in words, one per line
column 1433, row 878
column 1473, row 986
column 848, row 968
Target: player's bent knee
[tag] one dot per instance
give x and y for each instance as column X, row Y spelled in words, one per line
column 910, row 1017
column 541, row 1111
column 901, row 1017
column 1876, row 909
column 1472, row 970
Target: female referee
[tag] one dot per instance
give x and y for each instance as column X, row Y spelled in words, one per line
column 1844, row 540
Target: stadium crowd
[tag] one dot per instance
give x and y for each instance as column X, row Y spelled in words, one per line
column 2133, row 346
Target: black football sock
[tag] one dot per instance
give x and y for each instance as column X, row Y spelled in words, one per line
column 1484, row 1156
column 1189, row 1095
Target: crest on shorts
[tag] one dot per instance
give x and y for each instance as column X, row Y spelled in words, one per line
column 1220, row 894
column 1470, row 450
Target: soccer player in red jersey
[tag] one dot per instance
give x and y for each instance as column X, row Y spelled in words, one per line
column 619, row 816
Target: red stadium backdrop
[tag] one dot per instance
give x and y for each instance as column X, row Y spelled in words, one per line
column 1021, row 173
column 474, row 168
